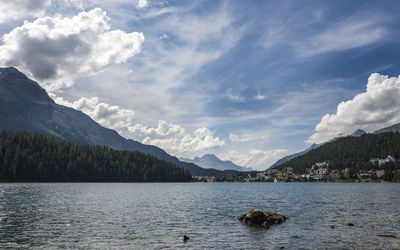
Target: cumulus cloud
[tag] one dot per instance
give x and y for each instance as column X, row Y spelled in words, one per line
column 18, row 9
column 142, row 4
column 254, row 158
column 107, row 115
column 57, row 50
column 176, row 139
column 377, row 107
column 171, row 137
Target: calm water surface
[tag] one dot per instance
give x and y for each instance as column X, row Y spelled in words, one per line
column 153, row 216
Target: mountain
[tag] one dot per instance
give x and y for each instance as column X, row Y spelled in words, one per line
column 357, row 133
column 289, row 157
column 350, row 152
column 393, row 128
column 24, row 105
column 212, row 161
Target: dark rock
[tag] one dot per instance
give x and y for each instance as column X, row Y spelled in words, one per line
column 350, row 224
column 260, row 218
column 184, row 238
column 387, row 235
column 333, row 226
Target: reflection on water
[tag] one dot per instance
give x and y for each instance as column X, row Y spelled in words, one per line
column 155, row 215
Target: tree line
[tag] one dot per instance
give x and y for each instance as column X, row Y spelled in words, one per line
column 33, row 157
column 353, row 153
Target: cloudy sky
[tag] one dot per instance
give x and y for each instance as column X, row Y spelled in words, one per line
column 250, row 81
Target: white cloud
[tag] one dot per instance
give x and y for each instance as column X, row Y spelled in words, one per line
column 19, row 9
column 58, row 50
column 259, row 96
column 237, row 138
column 107, row 115
column 171, row 137
column 176, row 139
column 164, row 36
column 235, row 97
column 315, row 31
column 377, row 107
column 166, row 70
column 254, row 158
column 348, row 34
column 324, row 92
column 142, row 4
column 245, row 137
column 274, row 34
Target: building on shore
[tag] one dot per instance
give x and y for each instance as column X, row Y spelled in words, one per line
column 381, row 162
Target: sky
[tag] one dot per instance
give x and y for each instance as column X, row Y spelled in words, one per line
column 249, row 81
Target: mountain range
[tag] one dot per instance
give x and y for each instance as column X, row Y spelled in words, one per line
column 25, row 106
column 352, row 153
column 211, row 161
column 357, row 133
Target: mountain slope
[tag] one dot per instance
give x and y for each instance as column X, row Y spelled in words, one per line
column 357, row 133
column 289, row 157
column 349, row 152
column 393, row 128
column 24, row 105
column 212, row 161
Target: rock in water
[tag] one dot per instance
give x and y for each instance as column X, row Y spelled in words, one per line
column 260, row 218
column 184, row 238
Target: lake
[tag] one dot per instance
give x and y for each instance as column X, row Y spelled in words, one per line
column 155, row 215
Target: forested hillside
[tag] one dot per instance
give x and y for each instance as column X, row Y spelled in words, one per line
column 350, row 152
column 25, row 106
column 31, row 157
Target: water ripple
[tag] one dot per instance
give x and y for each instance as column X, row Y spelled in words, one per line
column 154, row 216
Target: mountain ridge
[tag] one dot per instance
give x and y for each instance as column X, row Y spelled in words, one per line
column 392, row 128
column 353, row 153
column 25, row 106
column 356, row 133
column 208, row 161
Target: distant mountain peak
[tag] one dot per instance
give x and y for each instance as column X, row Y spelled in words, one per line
column 212, row 161
column 210, row 156
column 358, row 132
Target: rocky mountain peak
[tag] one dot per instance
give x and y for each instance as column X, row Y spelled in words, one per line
column 15, row 86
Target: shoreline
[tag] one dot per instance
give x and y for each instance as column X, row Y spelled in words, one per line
column 198, row 182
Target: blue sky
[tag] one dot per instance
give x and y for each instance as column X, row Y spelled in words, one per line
column 250, row 81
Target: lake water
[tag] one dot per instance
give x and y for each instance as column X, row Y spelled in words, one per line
column 154, row 215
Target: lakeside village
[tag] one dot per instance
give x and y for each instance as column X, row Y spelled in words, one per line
column 319, row 171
